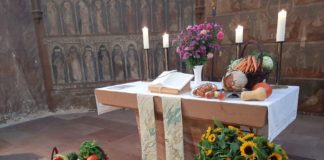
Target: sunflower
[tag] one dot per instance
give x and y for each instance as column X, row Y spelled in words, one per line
column 284, row 154
column 241, row 139
column 270, row 145
column 275, row 156
column 208, row 132
column 240, row 134
column 208, row 152
column 247, row 149
column 248, row 136
column 212, row 138
column 203, row 136
column 217, row 130
column 233, row 128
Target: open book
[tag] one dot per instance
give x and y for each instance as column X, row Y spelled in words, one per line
column 171, row 82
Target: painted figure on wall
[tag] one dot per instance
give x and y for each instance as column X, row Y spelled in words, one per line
column 132, row 63
column 100, row 16
column 89, row 64
column 187, row 13
column 158, row 59
column 75, row 65
column 52, row 15
column 118, row 63
column 104, row 63
column 58, row 66
column 145, row 12
column 173, row 16
column 130, row 17
column 174, row 59
column 158, row 16
column 68, row 20
column 114, row 16
column 84, row 18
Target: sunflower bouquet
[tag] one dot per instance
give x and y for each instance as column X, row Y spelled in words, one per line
column 230, row 143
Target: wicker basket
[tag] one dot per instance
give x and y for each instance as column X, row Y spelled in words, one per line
column 260, row 74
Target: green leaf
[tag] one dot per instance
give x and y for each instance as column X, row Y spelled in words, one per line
column 234, row 147
column 260, row 153
column 218, row 124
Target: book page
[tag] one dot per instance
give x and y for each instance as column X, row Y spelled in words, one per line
column 177, row 80
column 162, row 77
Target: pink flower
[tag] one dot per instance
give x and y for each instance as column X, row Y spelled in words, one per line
column 210, row 55
column 203, row 32
column 220, row 35
column 189, row 27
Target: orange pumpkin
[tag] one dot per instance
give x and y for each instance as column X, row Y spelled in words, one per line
column 264, row 85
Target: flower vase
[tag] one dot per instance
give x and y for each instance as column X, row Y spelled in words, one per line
column 197, row 73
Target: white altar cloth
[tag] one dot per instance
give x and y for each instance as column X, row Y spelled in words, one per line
column 282, row 104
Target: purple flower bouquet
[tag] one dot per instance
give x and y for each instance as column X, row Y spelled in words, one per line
column 196, row 44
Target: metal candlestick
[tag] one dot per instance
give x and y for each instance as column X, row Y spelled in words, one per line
column 146, row 63
column 238, row 50
column 278, row 71
column 166, row 59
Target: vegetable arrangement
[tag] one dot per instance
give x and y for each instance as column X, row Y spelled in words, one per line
column 247, row 65
column 89, row 150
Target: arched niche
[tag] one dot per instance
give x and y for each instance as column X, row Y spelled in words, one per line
column 158, row 16
column 188, row 13
column 173, row 15
column 89, row 65
column 68, row 18
column 174, row 59
column 83, row 17
column 104, row 65
column 74, row 64
column 129, row 16
column 58, row 66
column 133, row 64
column 114, row 16
column 99, row 14
column 158, row 59
column 52, row 18
column 118, row 63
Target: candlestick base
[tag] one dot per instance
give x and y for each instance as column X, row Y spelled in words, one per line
column 238, row 50
column 146, row 64
column 278, row 86
column 278, row 69
column 166, row 59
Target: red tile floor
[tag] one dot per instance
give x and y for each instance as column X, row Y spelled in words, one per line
column 117, row 133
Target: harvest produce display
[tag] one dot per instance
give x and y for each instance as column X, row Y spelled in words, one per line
column 88, row 151
column 259, row 92
column 250, row 64
column 209, row 91
column 234, row 81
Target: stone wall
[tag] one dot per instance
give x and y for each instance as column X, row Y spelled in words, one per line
column 95, row 43
column 303, row 51
column 21, row 81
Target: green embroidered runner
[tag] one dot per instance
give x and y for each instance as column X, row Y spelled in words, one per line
column 173, row 128
column 147, row 126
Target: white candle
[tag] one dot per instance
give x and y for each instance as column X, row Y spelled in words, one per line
column 239, row 34
column 145, row 38
column 165, row 40
column 281, row 26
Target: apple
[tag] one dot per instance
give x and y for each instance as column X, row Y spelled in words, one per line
column 221, row 95
column 216, row 93
column 60, row 157
column 93, row 157
column 57, row 158
column 209, row 94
